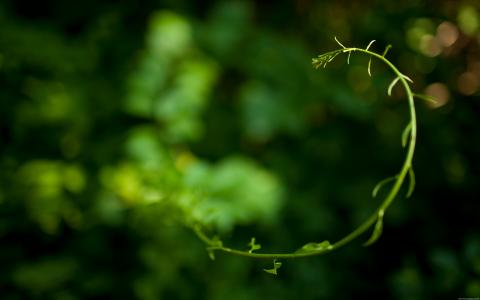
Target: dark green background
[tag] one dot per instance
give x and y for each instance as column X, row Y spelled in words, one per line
column 123, row 121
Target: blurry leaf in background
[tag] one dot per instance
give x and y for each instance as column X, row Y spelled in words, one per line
column 149, row 174
column 228, row 25
column 143, row 146
column 169, row 34
column 407, row 283
column 173, row 80
column 236, row 192
column 46, row 186
column 55, row 53
column 233, row 191
column 468, row 19
column 472, row 254
column 46, row 275
column 447, row 267
column 50, row 103
column 265, row 111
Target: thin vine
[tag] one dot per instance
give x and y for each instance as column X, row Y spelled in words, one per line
column 408, row 138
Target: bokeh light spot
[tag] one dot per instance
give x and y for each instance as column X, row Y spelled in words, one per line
column 468, row 83
column 468, row 19
column 430, row 46
column 169, row 33
column 417, row 31
column 440, row 92
column 447, row 34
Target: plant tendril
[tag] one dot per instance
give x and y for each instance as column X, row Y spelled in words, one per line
column 376, row 218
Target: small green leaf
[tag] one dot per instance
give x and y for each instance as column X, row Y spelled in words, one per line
column 211, row 253
column 386, row 50
column 324, row 59
column 338, row 42
column 368, row 47
column 370, row 60
column 253, row 246
column 216, row 242
column 407, row 78
column 405, row 134
column 379, row 185
column 276, row 266
column 427, row 98
column 333, row 56
column 411, row 184
column 390, row 87
column 377, row 231
column 315, row 247
column 369, row 67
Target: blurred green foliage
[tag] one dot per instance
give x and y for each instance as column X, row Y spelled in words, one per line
column 122, row 124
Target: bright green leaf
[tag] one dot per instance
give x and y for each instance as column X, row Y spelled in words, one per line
column 407, row 78
column 386, row 50
column 379, row 185
column 211, row 253
column 370, row 44
column 253, row 246
column 276, row 266
column 427, row 98
column 411, row 184
column 377, row 231
column 338, row 42
column 315, row 247
column 390, row 87
column 405, row 134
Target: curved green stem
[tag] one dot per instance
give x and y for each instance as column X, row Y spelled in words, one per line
column 377, row 215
